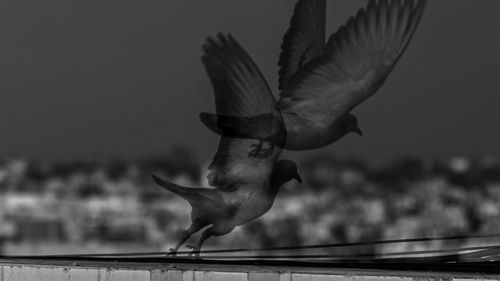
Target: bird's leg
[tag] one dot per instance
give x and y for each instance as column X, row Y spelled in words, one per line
column 204, row 236
column 257, row 148
column 195, row 250
column 195, row 226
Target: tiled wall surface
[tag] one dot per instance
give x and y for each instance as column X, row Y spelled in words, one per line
column 65, row 273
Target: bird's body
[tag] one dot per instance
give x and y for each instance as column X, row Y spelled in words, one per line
column 321, row 82
column 302, row 134
column 225, row 208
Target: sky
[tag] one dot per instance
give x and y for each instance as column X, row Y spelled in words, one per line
column 106, row 79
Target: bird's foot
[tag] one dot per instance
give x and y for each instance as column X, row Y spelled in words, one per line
column 265, row 152
column 257, row 149
column 172, row 252
column 260, row 152
column 195, row 251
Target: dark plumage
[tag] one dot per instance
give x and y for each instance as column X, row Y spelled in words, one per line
column 258, row 127
column 244, row 103
column 321, row 82
column 245, row 187
column 237, row 203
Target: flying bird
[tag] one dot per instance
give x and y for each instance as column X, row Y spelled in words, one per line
column 321, row 82
column 245, row 187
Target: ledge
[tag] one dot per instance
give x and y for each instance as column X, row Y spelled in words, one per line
column 154, row 269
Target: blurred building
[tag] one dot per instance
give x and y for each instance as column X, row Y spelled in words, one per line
column 83, row 206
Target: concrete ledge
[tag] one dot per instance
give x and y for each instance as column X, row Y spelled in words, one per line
column 43, row 270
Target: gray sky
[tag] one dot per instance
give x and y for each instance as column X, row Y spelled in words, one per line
column 120, row 78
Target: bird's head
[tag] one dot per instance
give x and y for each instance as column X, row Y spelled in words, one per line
column 284, row 171
column 350, row 124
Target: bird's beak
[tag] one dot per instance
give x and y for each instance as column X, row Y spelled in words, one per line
column 298, row 178
column 358, row 131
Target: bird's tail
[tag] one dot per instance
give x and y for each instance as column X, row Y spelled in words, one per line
column 210, row 121
column 254, row 127
column 170, row 186
column 195, row 196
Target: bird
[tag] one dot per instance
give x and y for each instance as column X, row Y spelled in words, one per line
column 320, row 82
column 244, row 187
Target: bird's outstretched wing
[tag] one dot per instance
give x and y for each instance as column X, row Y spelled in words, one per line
column 239, row 87
column 355, row 62
column 304, row 39
column 241, row 93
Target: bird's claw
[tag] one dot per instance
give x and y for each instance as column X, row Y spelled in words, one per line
column 259, row 152
column 264, row 153
column 172, row 252
column 257, row 149
column 195, row 251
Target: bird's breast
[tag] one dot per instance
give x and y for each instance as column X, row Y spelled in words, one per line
column 253, row 208
column 303, row 134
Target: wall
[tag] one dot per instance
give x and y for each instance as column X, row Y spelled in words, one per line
column 21, row 270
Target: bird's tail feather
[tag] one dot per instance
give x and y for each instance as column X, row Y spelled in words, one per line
column 194, row 196
column 170, row 186
column 210, row 121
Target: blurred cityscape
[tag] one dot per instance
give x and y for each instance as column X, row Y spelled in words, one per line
column 90, row 207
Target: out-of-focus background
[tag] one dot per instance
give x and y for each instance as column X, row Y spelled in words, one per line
column 101, row 207
column 97, row 95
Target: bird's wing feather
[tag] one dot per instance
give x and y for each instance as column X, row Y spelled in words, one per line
column 240, row 91
column 231, row 165
column 258, row 126
column 239, row 87
column 304, row 39
column 356, row 60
